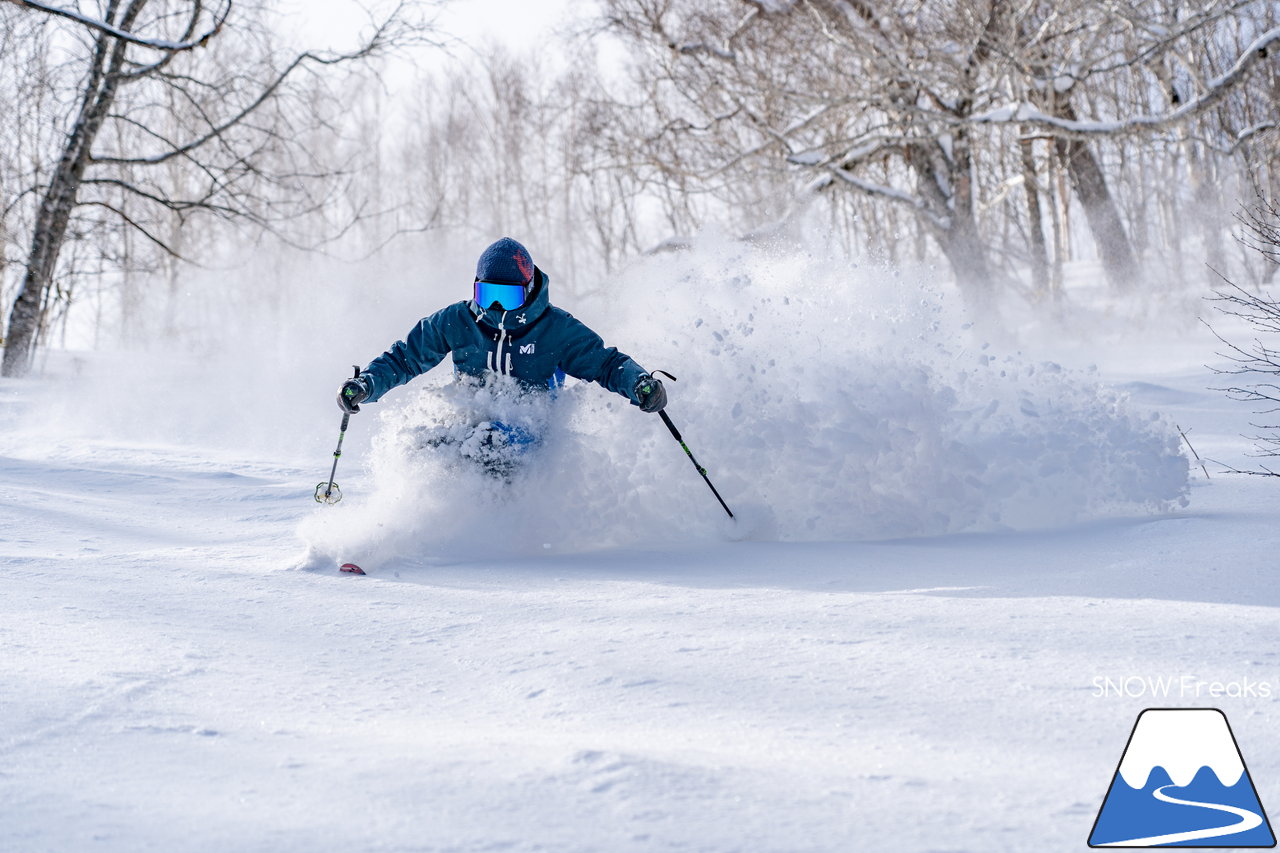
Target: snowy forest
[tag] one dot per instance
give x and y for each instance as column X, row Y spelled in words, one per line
column 1003, row 142
column 972, row 307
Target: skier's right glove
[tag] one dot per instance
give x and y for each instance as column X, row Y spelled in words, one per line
column 650, row 395
column 352, row 393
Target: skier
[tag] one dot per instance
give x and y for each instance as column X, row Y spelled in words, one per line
column 508, row 328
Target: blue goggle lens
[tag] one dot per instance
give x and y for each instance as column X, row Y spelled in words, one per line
column 509, row 296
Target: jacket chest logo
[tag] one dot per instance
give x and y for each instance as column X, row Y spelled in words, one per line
column 526, row 349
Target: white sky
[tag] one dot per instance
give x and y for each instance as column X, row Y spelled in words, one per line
column 517, row 22
column 332, row 23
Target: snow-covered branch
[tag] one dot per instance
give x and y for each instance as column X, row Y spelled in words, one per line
column 1246, row 135
column 890, row 194
column 773, row 7
column 1027, row 114
column 724, row 51
column 132, row 38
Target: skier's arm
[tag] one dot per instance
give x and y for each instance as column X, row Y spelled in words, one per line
column 586, row 357
column 422, row 349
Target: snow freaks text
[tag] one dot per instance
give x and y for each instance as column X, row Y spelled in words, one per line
column 1179, row 687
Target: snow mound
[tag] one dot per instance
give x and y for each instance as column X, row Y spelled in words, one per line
column 826, row 402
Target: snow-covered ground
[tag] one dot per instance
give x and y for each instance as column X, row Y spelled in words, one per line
column 169, row 680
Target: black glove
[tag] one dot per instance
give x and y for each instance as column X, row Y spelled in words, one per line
column 650, row 394
column 352, row 393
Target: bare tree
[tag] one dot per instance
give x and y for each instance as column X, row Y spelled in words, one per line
column 928, row 108
column 502, row 144
column 1257, row 360
column 202, row 124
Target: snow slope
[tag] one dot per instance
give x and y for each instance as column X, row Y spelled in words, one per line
column 919, row 673
column 167, row 686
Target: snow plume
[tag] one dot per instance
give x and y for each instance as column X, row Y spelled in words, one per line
column 853, row 404
column 466, row 468
column 826, row 401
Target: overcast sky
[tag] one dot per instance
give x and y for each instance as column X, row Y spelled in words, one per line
column 516, row 22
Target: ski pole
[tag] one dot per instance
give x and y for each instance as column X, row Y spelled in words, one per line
column 332, row 494
column 703, row 471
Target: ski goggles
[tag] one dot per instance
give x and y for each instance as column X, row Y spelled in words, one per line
column 509, row 296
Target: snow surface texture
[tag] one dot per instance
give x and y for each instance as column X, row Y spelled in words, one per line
column 165, row 685
column 827, row 402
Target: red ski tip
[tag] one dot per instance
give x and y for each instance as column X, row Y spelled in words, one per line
column 351, row 568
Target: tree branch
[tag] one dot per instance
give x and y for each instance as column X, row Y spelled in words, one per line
column 1025, row 113
column 165, row 247
column 264, row 96
column 124, row 35
column 889, row 193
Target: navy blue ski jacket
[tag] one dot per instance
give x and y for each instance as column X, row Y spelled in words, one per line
column 529, row 344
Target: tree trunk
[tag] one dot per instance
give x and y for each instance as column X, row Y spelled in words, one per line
column 4, row 242
column 1039, row 251
column 967, row 255
column 960, row 241
column 1090, row 185
column 60, row 197
column 1059, row 218
column 1208, row 205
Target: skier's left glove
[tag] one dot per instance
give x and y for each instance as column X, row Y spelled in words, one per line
column 649, row 394
column 352, row 393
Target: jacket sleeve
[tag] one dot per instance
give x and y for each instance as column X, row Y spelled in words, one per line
column 584, row 356
column 422, row 349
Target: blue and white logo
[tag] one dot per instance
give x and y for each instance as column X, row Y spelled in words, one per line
column 1182, row 783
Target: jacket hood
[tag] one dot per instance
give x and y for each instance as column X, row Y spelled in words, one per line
column 515, row 320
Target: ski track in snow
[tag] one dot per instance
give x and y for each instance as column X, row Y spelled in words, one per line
column 167, row 685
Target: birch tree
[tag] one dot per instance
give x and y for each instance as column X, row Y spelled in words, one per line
column 185, row 113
